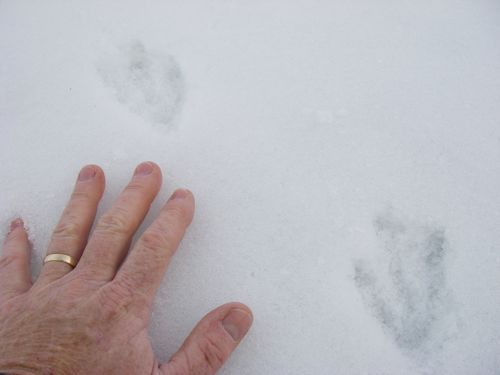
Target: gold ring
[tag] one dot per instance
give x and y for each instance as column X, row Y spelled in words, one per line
column 60, row 258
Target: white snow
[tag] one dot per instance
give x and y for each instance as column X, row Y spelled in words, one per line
column 344, row 156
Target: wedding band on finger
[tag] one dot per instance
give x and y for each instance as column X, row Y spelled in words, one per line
column 60, row 258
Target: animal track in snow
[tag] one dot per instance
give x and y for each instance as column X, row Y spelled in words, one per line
column 405, row 289
column 150, row 85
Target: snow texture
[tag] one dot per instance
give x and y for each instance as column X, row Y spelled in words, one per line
column 296, row 124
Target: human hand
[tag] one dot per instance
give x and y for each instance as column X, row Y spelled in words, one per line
column 94, row 319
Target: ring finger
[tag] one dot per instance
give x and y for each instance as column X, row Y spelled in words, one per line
column 71, row 233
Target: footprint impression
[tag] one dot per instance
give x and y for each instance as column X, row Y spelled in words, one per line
column 148, row 84
column 405, row 289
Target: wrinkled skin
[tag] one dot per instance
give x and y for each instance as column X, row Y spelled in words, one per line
column 94, row 319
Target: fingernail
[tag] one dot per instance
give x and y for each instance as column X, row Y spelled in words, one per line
column 179, row 194
column 237, row 323
column 87, row 173
column 143, row 169
column 16, row 223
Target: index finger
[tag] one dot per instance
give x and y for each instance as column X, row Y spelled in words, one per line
column 146, row 264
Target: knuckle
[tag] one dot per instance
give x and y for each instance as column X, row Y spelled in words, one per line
column 84, row 279
column 79, row 196
column 10, row 259
column 67, row 229
column 178, row 213
column 179, row 364
column 213, row 352
column 120, row 297
column 52, row 272
column 116, row 295
column 135, row 187
column 114, row 223
column 154, row 241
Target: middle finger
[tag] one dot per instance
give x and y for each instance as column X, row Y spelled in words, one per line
column 114, row 230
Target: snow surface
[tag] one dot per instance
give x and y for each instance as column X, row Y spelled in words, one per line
column 344, row 156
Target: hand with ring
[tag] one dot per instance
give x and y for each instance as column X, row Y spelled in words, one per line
column 88, row 311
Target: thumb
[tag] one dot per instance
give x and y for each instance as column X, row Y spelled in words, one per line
column 211, row 342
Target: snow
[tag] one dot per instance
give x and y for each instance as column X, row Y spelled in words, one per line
column 344, row 156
